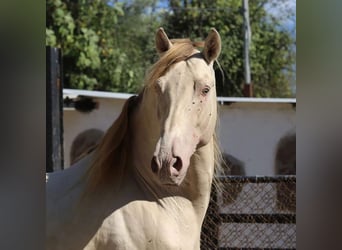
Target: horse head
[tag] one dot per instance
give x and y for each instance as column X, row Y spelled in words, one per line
column 183, row 89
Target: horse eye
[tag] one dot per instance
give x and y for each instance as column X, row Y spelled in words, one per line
column 205, row 91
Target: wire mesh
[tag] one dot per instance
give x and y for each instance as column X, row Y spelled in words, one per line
column 251, row 213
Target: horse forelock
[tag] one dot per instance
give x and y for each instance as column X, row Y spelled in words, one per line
column 181, row 50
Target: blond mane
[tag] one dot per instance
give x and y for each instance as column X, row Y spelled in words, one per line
column 110, row 157
column 111, row 154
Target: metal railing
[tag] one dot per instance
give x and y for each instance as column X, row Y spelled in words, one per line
column 251, row 212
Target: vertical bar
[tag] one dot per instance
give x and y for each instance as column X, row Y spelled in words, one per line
column 248, row 90
column 54, row 110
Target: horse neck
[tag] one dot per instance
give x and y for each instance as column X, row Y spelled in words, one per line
column 199, row 178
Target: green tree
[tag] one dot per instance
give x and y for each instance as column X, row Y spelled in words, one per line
column 84, row 30
column 272, row 53
column 106, row 45
column 136, row 38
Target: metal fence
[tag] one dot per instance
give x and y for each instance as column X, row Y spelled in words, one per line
column 256, row 212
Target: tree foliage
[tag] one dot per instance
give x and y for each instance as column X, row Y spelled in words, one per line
column 271, row 52
column 88, row 33
column 108, row 45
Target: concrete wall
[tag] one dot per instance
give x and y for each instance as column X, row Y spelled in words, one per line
column 251, row 131
column 76, row 122
column 248, row 131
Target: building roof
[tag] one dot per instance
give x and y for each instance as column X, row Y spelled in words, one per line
column 73, row 93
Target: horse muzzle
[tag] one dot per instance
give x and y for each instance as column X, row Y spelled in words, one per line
column 170, row 170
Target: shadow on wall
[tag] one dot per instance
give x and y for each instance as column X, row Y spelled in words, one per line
column 232, row 166
column 285, row 164
column 84, row 143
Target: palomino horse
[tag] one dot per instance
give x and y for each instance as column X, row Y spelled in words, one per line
column 147, row 185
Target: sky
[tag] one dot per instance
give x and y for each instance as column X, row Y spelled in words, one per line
column 279, row 10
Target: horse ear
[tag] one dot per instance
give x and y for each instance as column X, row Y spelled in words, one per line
column 212, row 46
column 163, row 43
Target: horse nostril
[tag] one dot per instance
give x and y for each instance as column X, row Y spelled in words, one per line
column 178, row 164
column 154, row 165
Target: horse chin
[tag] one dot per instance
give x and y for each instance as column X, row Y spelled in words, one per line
column 171, row 184
column 171, row 181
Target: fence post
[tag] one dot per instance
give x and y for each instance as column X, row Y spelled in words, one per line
column 54, row 110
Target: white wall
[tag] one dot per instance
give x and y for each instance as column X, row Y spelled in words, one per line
column 248, row 131
column 251, row 131
column 76, row 122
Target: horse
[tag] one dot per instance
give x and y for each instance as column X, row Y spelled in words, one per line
column 147, row 184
